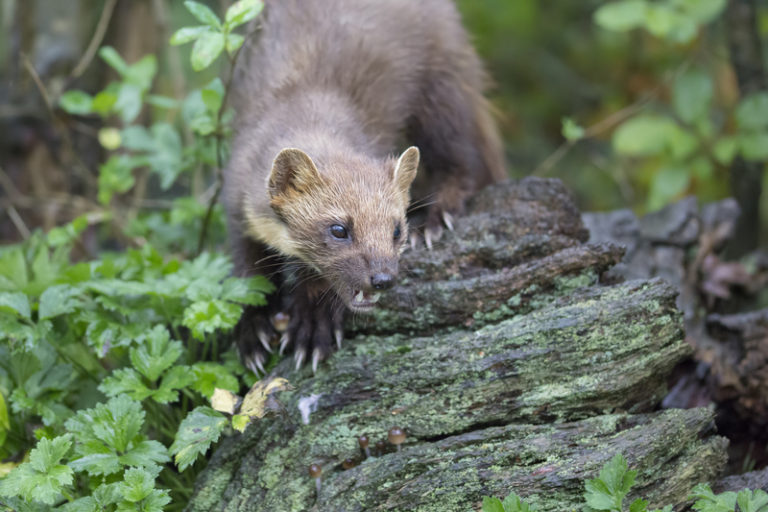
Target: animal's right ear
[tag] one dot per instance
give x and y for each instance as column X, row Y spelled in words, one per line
column 292, row 169
column 406, row 167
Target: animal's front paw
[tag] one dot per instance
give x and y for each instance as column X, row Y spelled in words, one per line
column 438, row 219
column 315, row 326
column 254, row 334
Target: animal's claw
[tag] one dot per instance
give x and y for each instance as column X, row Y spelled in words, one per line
column 448, row 220
column 299, row 357
column 265, row 340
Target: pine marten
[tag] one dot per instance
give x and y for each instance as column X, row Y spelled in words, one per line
column 325, row 92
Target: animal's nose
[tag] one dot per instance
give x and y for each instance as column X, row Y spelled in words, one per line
column 382, row 281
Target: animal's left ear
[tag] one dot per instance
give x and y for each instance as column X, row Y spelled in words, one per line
column 406, row 167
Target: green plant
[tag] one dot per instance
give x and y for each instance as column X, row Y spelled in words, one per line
column 608, row 490
column 107, row 365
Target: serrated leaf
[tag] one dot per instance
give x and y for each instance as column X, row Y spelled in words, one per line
column 208, row 376
column 621, row 16
column 209, row 316
column 43, row 478
column 692, row 95
column 196, row 433
column 76, row 102
column 513, row 503
column 15, row 302
column 749, row 501
column 249, row 291
column 57, row 300
column 105, row 432
column 187, row 34
column 125, row 381
column 707, row 501
column 752, row 112
column 156, row 354
column 242, row 11
column 207, row 47
column 137, row 484
column 639, row 505
column 607, row 492
column 203, row 13
column 492, row 504
column 145, row 454
column 178, row 377
column 115, row 176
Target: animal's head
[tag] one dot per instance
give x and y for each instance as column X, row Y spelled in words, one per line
column 346, row 219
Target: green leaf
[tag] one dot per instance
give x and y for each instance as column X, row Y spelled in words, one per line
column 754, row 146
column 209, row 376
column 725, row 149
column 178, row 377
column 234, row 42
column 58, row 300
column 138, row 487
column 15, row 302
column 608, row 490
column 513, row 503
column 162, row 101
column 142, row 72
column 13, row 266
column 668, row 184
column 5, row 424
column 43, row 478
column 197, row 431
column 492, row 505
column 752, row 502
column 571, row 130
column 125, row 381
column 242, row 11
column 207, row 47
column 707, row 501
column 129, row 101
column 111, row 57
column 639, row 505
column 157, row 354
column 203, row 13
column 752, row 112
column 662, row 20
column 644, row 135
column 115, row 176
column 146, row 454
column 249, row 291
column 703, row 11
column 105, row 432
column 692, row 96
column 212, row 99
column 187, row 34
column 76, row 102
column 103, row 102
column 621, row 16
column 209, row 316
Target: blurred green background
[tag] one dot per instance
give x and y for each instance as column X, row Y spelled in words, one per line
column 549, row 60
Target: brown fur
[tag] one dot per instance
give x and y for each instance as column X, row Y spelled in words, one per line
column 347, row 83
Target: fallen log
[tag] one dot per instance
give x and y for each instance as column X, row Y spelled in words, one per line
column 510, row 367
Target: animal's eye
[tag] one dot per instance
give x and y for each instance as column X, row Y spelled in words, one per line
column 339, row 231
column 397, row 233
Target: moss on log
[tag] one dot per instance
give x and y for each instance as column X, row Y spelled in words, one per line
column 510, row 368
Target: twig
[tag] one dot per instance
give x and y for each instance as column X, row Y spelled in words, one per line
column 98, row 37
column 38, row 83
column 607, row 123
column 594, row 130
column 219, row 162
column 18, row 221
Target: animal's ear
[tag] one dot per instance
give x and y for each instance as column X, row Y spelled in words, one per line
column 406, row 167
column 292, row 169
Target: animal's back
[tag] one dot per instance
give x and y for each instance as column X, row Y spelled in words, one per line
column 376, row 52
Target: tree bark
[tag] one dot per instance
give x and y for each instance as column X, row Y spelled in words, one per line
column 508, row 364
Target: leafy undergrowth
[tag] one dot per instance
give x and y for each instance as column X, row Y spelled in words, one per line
column 608, row 491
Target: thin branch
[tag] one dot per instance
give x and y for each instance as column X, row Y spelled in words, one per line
column 18, row 221
column 98, row 37
column 219, row 160
column 38, row 83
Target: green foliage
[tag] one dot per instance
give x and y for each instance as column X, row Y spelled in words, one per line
column 101, row 360
column 608, row 490
column 214, row 36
